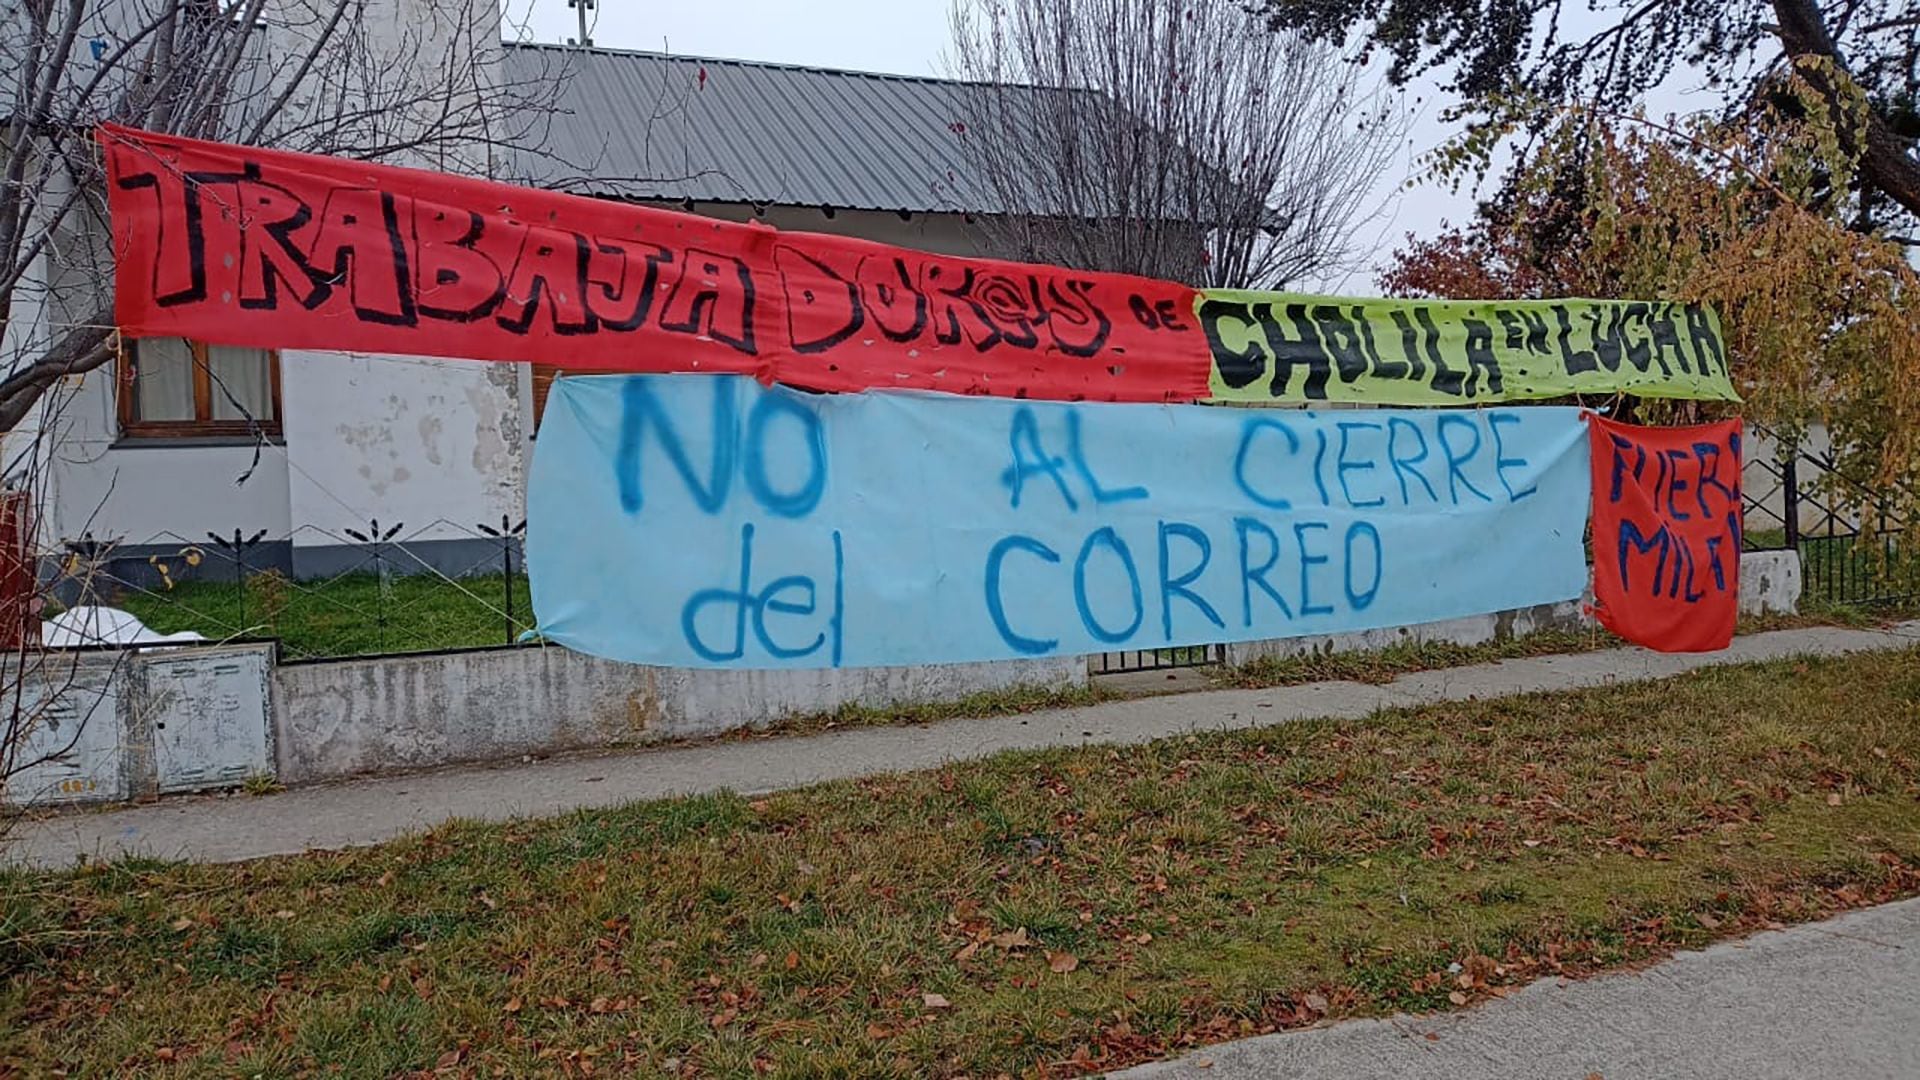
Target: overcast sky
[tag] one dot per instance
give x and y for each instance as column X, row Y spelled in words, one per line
column 910, row 37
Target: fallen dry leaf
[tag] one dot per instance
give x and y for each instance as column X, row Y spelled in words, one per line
column 183, row 923
column 1833, row 798
column 966, row 951
column 1708, row 920
column 1062, row 962
column 1481, row 967
column 1012, row 939
column 1316, row 1002
column 513, row 1005
column 1457, row 998
column 935, row 1001
column 793, row 960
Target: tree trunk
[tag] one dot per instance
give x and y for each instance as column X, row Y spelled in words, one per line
column 1885, row 159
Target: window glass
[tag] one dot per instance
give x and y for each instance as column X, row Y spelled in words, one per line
column 241, row 383
column 163, row 380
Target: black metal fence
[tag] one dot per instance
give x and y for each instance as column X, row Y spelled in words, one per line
column 382, row 588
column 1852, row 546
column 1120, row 663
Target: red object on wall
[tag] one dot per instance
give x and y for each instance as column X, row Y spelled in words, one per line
column 19, row 612
column 243, row 246
column 1666, row 533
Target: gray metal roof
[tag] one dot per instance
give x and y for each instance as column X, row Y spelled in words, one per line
column 653, row 126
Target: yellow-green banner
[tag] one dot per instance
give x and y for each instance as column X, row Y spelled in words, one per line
column 1286, row 347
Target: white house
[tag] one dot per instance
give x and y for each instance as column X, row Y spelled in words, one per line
column 156, row 452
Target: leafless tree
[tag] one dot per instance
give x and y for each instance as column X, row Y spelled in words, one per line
column 1173, row 138
column 412, row 82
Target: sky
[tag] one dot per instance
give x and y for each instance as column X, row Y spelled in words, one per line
column 910, row 37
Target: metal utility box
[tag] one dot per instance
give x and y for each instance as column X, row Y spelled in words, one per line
column 72, row 750
column 208, row 708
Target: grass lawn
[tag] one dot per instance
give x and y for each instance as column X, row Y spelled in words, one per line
column 1054, row 912
column 344, row 616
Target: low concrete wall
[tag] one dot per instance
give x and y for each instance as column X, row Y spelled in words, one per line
column 1769, row 584
column 1471, row 630
column 338, row 718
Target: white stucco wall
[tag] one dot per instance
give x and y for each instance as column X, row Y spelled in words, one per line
column 1821, row 514
column 400, row 439
column 158, row 493
column 435, row 445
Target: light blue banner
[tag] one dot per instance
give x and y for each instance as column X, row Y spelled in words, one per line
column 708, row 521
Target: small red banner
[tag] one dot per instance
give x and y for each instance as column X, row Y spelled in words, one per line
column 1666, row 533
column 280, row 250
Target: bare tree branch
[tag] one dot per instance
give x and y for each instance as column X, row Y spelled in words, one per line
column 1174, row 138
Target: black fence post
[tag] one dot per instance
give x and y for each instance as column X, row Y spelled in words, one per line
column 376, row 539
column 90, row 551
column 506, row 533
column 240, row 575
column 237, row 551
column 1790, row 497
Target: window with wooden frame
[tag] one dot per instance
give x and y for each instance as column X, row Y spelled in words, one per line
column 175, row 388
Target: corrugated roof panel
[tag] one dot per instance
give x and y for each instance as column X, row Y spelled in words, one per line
column 644, row 125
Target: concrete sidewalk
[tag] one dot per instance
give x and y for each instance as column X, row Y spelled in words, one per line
column 369, row 811
column 1838, row 999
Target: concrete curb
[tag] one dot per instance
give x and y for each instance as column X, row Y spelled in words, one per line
column 369, row 811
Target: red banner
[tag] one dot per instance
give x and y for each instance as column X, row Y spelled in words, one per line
column 1666, row 533
column 244, row 246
